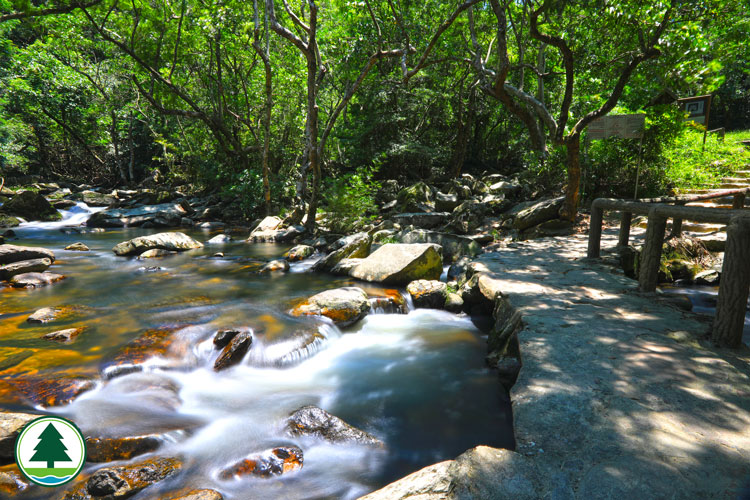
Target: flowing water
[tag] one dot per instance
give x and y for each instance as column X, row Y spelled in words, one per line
column 417, row 381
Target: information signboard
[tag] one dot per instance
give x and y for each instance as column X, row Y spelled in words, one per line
column 697, row 108
column 622, row 126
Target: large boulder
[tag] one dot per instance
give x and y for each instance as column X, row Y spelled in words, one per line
column 31, row 206
column 482, row 473
column 467, row 217
column 165, row 241
column 163, row 215
column 344, row 306
column 269, row 230
column 430, row 294
column 8, row 221
column 354, row 247
column 10, row 426
column 15, row 253
column 7, row 271
column 537, row 213
column 415, row 198
column 454, row 246
column 399, row 263
column 314, row 421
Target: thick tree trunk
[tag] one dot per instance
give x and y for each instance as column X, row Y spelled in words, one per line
column 573, row 190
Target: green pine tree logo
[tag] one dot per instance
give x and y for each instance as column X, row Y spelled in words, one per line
column 50, row 448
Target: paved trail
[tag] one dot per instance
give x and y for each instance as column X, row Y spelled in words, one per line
column 619, row 395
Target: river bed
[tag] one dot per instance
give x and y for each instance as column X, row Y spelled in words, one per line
column 417, row 381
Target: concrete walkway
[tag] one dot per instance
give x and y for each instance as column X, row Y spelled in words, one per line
column 619, row 396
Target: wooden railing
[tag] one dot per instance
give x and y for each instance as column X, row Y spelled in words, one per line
column 735, row 279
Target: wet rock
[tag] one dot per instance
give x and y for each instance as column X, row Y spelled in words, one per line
column 399, row 264
column 35, row 280
column 31, row 206
column 275, row 266
column 46, row 314
column 234, row 351
column 467, row 217
column 270, row 463
column 124, row 481
column 77, row 247
column 155, row 253
column 429, row 294
column 14, row 253
column 12, row 481
column 64, row 336
column 165, row 241
column 218, row 254
column 166, row 214
column 314, row 421
column 219, row 239
column 278, row 344
column 199, row 495
column 454, row 246
column 106, row 449
column 423, row 220
column 344, row 306
column 358, row 246
column 223, row 337
column 63, row 204
column 53, row 390
column 7, row 271
column 94, row 199
column 454, row 303
column 10, row 426
column 8, row 221
column 537, row 213
column 300, row 252
column 154, row 342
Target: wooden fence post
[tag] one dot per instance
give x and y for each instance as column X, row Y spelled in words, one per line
column 625, row 221
column 676, row 226
column 651, row 255
column 738, row 201
column 595, row 232
column 734, row 286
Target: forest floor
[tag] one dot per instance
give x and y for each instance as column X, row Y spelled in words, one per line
column 620, row 394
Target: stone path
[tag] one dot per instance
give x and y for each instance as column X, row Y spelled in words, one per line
column 619, row 395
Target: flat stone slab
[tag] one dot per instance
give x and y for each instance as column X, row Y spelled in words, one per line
column 618, row 396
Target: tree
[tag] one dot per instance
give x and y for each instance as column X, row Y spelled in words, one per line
column 50, row 448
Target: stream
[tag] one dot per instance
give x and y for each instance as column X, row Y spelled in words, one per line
column 417, row 381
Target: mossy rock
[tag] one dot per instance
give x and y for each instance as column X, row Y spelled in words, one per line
column 8, row 221
column 31, row 206
column 415, row 198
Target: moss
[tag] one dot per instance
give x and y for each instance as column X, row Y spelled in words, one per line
column 8, row 221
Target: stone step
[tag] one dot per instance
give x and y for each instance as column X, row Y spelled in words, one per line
column 730, row 185
column 742, row 181
column 745, row 174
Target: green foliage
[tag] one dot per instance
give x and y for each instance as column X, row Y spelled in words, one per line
column 245, row 189
column 350, row 199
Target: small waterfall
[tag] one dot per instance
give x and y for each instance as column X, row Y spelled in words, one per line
column 76, row 216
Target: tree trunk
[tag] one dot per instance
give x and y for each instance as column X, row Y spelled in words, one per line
column 734, row 286
column 573, row 190
column 116, row 144
column 267, row 135
column 131, row 147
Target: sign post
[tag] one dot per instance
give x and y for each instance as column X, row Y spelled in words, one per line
column 699, row 111
column 624, row 127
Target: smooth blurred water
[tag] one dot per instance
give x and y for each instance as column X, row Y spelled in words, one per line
column 417, row 381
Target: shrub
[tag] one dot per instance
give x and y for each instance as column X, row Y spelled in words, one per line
column 350, row 199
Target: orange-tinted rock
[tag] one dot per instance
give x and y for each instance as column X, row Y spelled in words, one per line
column 199, row 495
column 344, row 306
column 156, row 342
column 123, row 481
column 269, row 463
column 109, row 449
column 314, row 421
column 35, row 280
column 223, row 337
column 52, row 390
column 12, row 482
column 429, row 294
column 64, row 336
